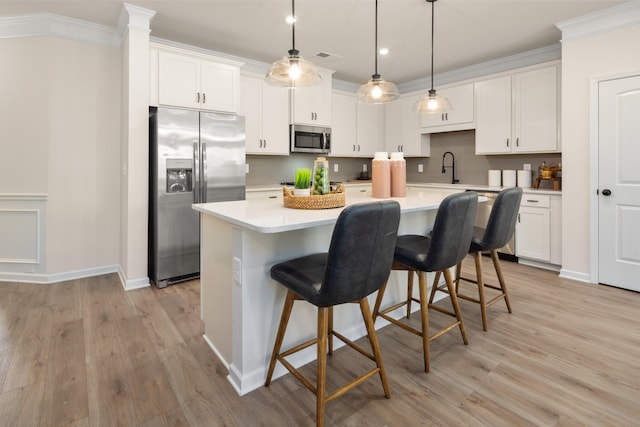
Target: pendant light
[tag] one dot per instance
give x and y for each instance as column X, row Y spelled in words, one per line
column 293, row 70
column 377, row 90
column 432, row 102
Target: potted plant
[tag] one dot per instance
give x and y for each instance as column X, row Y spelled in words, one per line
column 302, row 184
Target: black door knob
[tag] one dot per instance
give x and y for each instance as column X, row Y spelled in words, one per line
column 606, row 192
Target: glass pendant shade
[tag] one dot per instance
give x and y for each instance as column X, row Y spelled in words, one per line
column 433, row 103
column 293, row 70
column 377, row 90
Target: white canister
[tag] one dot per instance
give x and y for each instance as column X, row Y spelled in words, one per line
column 508, row 178
column 494, row 178
column 524, row 178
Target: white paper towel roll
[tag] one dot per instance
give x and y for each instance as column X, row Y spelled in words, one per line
column 524, row 178
column 494, row 178
column 508, row 178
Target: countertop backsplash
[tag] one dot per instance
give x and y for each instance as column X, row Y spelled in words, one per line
column 470, row 168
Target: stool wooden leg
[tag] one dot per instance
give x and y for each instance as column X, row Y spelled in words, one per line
column 503, row 285
column 458, row 271
column 330, row 330
column 477, row 257
column 282, row 327
column 323, row 321
column 409, row 292
column 424, row 312
column 456, row 306
column 434, row 287
column 376, row 307
column 375, row 346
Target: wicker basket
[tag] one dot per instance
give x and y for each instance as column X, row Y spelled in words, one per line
column 335, row 199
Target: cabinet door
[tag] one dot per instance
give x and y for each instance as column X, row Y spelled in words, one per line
column 178, row 80
column 369, row 128
column 460, row 117
column 312, row 105
column 493, row 116
column 402, row 128
column 536, row 111
column 219, row 87
column 532, row 233
column 343, row 129
column 275, row 119
column 251, row 108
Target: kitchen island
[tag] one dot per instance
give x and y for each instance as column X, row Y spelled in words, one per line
column 241, row 304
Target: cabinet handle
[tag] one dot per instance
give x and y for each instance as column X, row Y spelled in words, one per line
column 518, row 217
column 507, row 142
column 354, row 147
column 358, row 148
column 446, row 115
column 265, row 143
column 532, row 201
column 198, row 98
column 517, row 142
column 204, row 97
column 273, row 197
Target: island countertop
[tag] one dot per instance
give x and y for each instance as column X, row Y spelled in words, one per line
column 269, row 216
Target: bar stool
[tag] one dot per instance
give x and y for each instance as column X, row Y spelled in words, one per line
column 357, row 264
column 444, row 247
column 499, row 230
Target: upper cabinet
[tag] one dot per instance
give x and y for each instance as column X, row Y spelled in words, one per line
column 369, row 129
column 266, row 111
column 312, row 105
column 196, row 81
column 402, row 128
column 460, row 117
column 356, row 129
column 518, row 113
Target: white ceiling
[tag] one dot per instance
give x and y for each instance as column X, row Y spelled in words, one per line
column 467, row 32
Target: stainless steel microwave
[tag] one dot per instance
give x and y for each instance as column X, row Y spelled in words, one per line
column 310, row 139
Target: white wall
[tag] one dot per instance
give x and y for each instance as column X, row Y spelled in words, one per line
column 585, row 59
column 60, row 136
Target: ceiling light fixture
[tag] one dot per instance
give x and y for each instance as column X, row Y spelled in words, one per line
column 377, row 90
column 432, row 102
column 293, row 70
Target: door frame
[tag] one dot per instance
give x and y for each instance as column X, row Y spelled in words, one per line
column 594, row 142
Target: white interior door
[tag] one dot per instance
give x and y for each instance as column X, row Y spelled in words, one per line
column 619, row 183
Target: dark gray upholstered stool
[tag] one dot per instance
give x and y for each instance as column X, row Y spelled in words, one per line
column 498, row 231
column 357, row 264
column 444, row 247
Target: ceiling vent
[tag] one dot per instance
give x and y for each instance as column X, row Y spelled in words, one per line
column 327, row 56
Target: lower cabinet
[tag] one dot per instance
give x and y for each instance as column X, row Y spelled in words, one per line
column 538, row 228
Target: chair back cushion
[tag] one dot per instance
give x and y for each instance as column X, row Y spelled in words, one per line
column 502, row 219
column 452, row 231
column 361, row 252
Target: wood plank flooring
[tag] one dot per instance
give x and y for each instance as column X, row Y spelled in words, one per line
column 86, row 353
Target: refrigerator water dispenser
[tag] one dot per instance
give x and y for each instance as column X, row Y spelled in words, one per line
column 179, row 176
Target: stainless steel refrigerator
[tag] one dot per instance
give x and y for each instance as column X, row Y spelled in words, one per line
column 195, row 157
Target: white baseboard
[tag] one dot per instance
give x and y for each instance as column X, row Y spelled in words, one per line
column 57, row 277
column 575, row 275
column 131, row 284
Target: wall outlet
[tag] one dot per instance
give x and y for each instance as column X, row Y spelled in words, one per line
column 246, row 168
column 335, row 167
column 420, row 168
column 364, row 167
column 237, row 270
column 526, row 166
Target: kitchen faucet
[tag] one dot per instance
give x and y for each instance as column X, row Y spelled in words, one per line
column 453, row 166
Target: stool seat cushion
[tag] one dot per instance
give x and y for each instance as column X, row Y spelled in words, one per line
column 303, row 276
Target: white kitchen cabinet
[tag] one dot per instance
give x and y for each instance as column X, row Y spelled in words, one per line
column 461, row 116
column 402, row 128
column 264, row 195
column 197, row 82
column 343, row 125
column 369, row 129
column 538, row 228
column 312, row 105
column 518, row 113
column 266, row 111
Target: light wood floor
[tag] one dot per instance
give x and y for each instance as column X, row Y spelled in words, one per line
column 86, row 353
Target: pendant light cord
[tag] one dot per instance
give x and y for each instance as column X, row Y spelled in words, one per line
column 432, row 33
column 293, row 25
column 376, row 43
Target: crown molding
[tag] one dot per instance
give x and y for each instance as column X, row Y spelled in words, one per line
column 134, row 18
column 610, row 19
column 51, row 25
column 520, row 60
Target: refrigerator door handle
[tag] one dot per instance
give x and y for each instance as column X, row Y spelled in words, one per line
column 203, row 180
column 196, row 173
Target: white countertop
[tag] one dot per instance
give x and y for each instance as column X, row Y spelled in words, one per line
column 270, row 216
